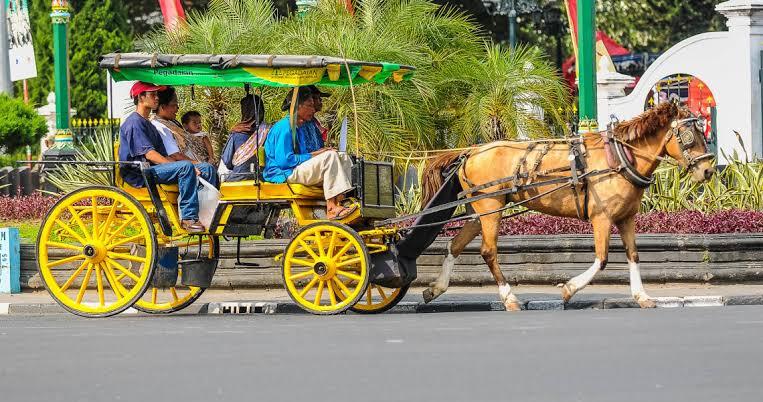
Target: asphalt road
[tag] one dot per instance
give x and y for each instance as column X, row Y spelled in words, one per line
column 689, row 354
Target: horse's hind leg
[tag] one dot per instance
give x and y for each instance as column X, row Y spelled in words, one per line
column 470, row 230
column 601, row 233
column 627, row 230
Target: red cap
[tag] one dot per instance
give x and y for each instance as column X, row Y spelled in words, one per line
column 140, row 87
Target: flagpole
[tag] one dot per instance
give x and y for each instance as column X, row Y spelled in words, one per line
column 6, row 86
column 586, row 25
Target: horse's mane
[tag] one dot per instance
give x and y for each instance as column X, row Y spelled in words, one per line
column 649, row 122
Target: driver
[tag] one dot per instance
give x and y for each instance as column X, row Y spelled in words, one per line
column 307, row 162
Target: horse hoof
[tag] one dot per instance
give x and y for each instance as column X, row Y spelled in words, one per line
column 428, row 295
column 567, row 293
column 646, row 303
column 513, row 306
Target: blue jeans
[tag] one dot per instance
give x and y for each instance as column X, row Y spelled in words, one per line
column 183, row 174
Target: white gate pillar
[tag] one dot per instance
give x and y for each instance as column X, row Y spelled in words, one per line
column 745, row 23
column 610, row 85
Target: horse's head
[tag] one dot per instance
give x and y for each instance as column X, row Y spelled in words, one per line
column 685, row 142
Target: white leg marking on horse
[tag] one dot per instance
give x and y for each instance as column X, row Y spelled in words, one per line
column 637, row 288
column 582, row 280
column 440, row 285
column 510, row 301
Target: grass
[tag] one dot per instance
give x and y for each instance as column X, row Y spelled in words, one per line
column 27, row 229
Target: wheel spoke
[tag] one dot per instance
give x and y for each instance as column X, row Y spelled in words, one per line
column 381, row 292
column 65, row 260
column 99, row 284
column 332, row 242
column 319, row 244
column 302, row 262
column 64, row 245
column 81, row 224
column 71, row 231
column 154, row 294
column 117, row 287
column 124, row 241
column 124, row 270
column 309, row 286
column 74, row 276
column 83, row 286
column 109, row 218
column 342, row 251
column 369, row 296
column 119, row 230
column 332, row 296
column 300, row 275
column 308, row 249
column 319, row 293
column 174, row 294
column 342, row 286
column 128, row 257
column 95, row 218
column 348, row 275
column 351, row 261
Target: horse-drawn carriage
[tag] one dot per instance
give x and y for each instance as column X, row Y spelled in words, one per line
column 104, row 249
column 128, row 239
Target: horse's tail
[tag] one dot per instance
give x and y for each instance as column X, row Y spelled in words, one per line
column 431, row 178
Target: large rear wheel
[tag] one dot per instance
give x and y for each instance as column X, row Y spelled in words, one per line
column 167, row 300
column 83, row 251
column 326, row 268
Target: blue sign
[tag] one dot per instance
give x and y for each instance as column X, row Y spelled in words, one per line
column 10, row 261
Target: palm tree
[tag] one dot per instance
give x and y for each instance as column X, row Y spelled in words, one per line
column 462, row 86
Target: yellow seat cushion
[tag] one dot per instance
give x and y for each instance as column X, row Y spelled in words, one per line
column 142, row 192
column 246, row 190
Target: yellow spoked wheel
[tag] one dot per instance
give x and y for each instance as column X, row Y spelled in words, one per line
column 175, row 298
column 378, row 299
column 326, row 268
column 83, row 251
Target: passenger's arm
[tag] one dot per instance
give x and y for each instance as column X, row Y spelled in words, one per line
column 156, row 157
column 285, row 157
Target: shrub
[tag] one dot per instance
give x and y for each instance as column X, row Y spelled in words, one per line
column 20, row 125
column 29, row 207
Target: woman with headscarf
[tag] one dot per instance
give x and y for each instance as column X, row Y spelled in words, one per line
column 180, row 144
column 246, row 137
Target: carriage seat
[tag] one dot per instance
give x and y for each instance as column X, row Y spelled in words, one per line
column 141, row 193
column 246, row 189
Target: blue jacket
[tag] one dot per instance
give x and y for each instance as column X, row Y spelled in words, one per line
column 280, row 159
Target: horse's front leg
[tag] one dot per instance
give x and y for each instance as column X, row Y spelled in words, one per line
column 470, row 230
column 489, row 250
column 627, row 230
column 601, row 234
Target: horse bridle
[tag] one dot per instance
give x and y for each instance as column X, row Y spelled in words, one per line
column 686, row 138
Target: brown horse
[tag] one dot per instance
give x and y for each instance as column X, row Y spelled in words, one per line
column 612, row 197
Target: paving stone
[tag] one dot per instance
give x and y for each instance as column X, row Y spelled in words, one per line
column 4, row 307
column 748, row 300
column 545, row 305
column 703, row 301
column 669, row 302
column 624, row 302
column 584, row 304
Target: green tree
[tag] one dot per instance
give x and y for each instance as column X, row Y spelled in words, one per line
column 20, row 125
column 98, row 26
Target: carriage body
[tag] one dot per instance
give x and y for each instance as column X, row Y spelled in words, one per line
column 104, row 249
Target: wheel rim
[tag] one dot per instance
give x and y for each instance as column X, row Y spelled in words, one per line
column 377, row 298
column 83, row 251
column 318, row 265
column 161, row 300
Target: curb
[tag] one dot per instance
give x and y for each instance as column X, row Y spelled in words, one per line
column 279, row 307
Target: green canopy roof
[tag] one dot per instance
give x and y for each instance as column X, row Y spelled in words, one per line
column 256, row 70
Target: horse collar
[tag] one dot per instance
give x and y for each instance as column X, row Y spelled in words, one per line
column 628, row 170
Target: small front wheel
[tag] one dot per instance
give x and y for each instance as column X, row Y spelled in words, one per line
column 378, row 299
column 83, row 251
column 326, row 268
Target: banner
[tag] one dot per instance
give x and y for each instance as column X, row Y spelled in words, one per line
column 601, row 46
column 21, row 50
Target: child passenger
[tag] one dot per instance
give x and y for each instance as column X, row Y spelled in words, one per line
column 192, row 124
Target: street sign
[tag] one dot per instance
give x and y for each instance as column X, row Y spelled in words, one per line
column 21, row 51
column 10, row 261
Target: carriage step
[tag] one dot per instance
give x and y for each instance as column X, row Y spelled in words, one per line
column 241, row 308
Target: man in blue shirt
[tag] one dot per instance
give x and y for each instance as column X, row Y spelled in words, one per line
column 308, row 162
column 140, row 141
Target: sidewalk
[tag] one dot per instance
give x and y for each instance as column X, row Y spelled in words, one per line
column 486, row 298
